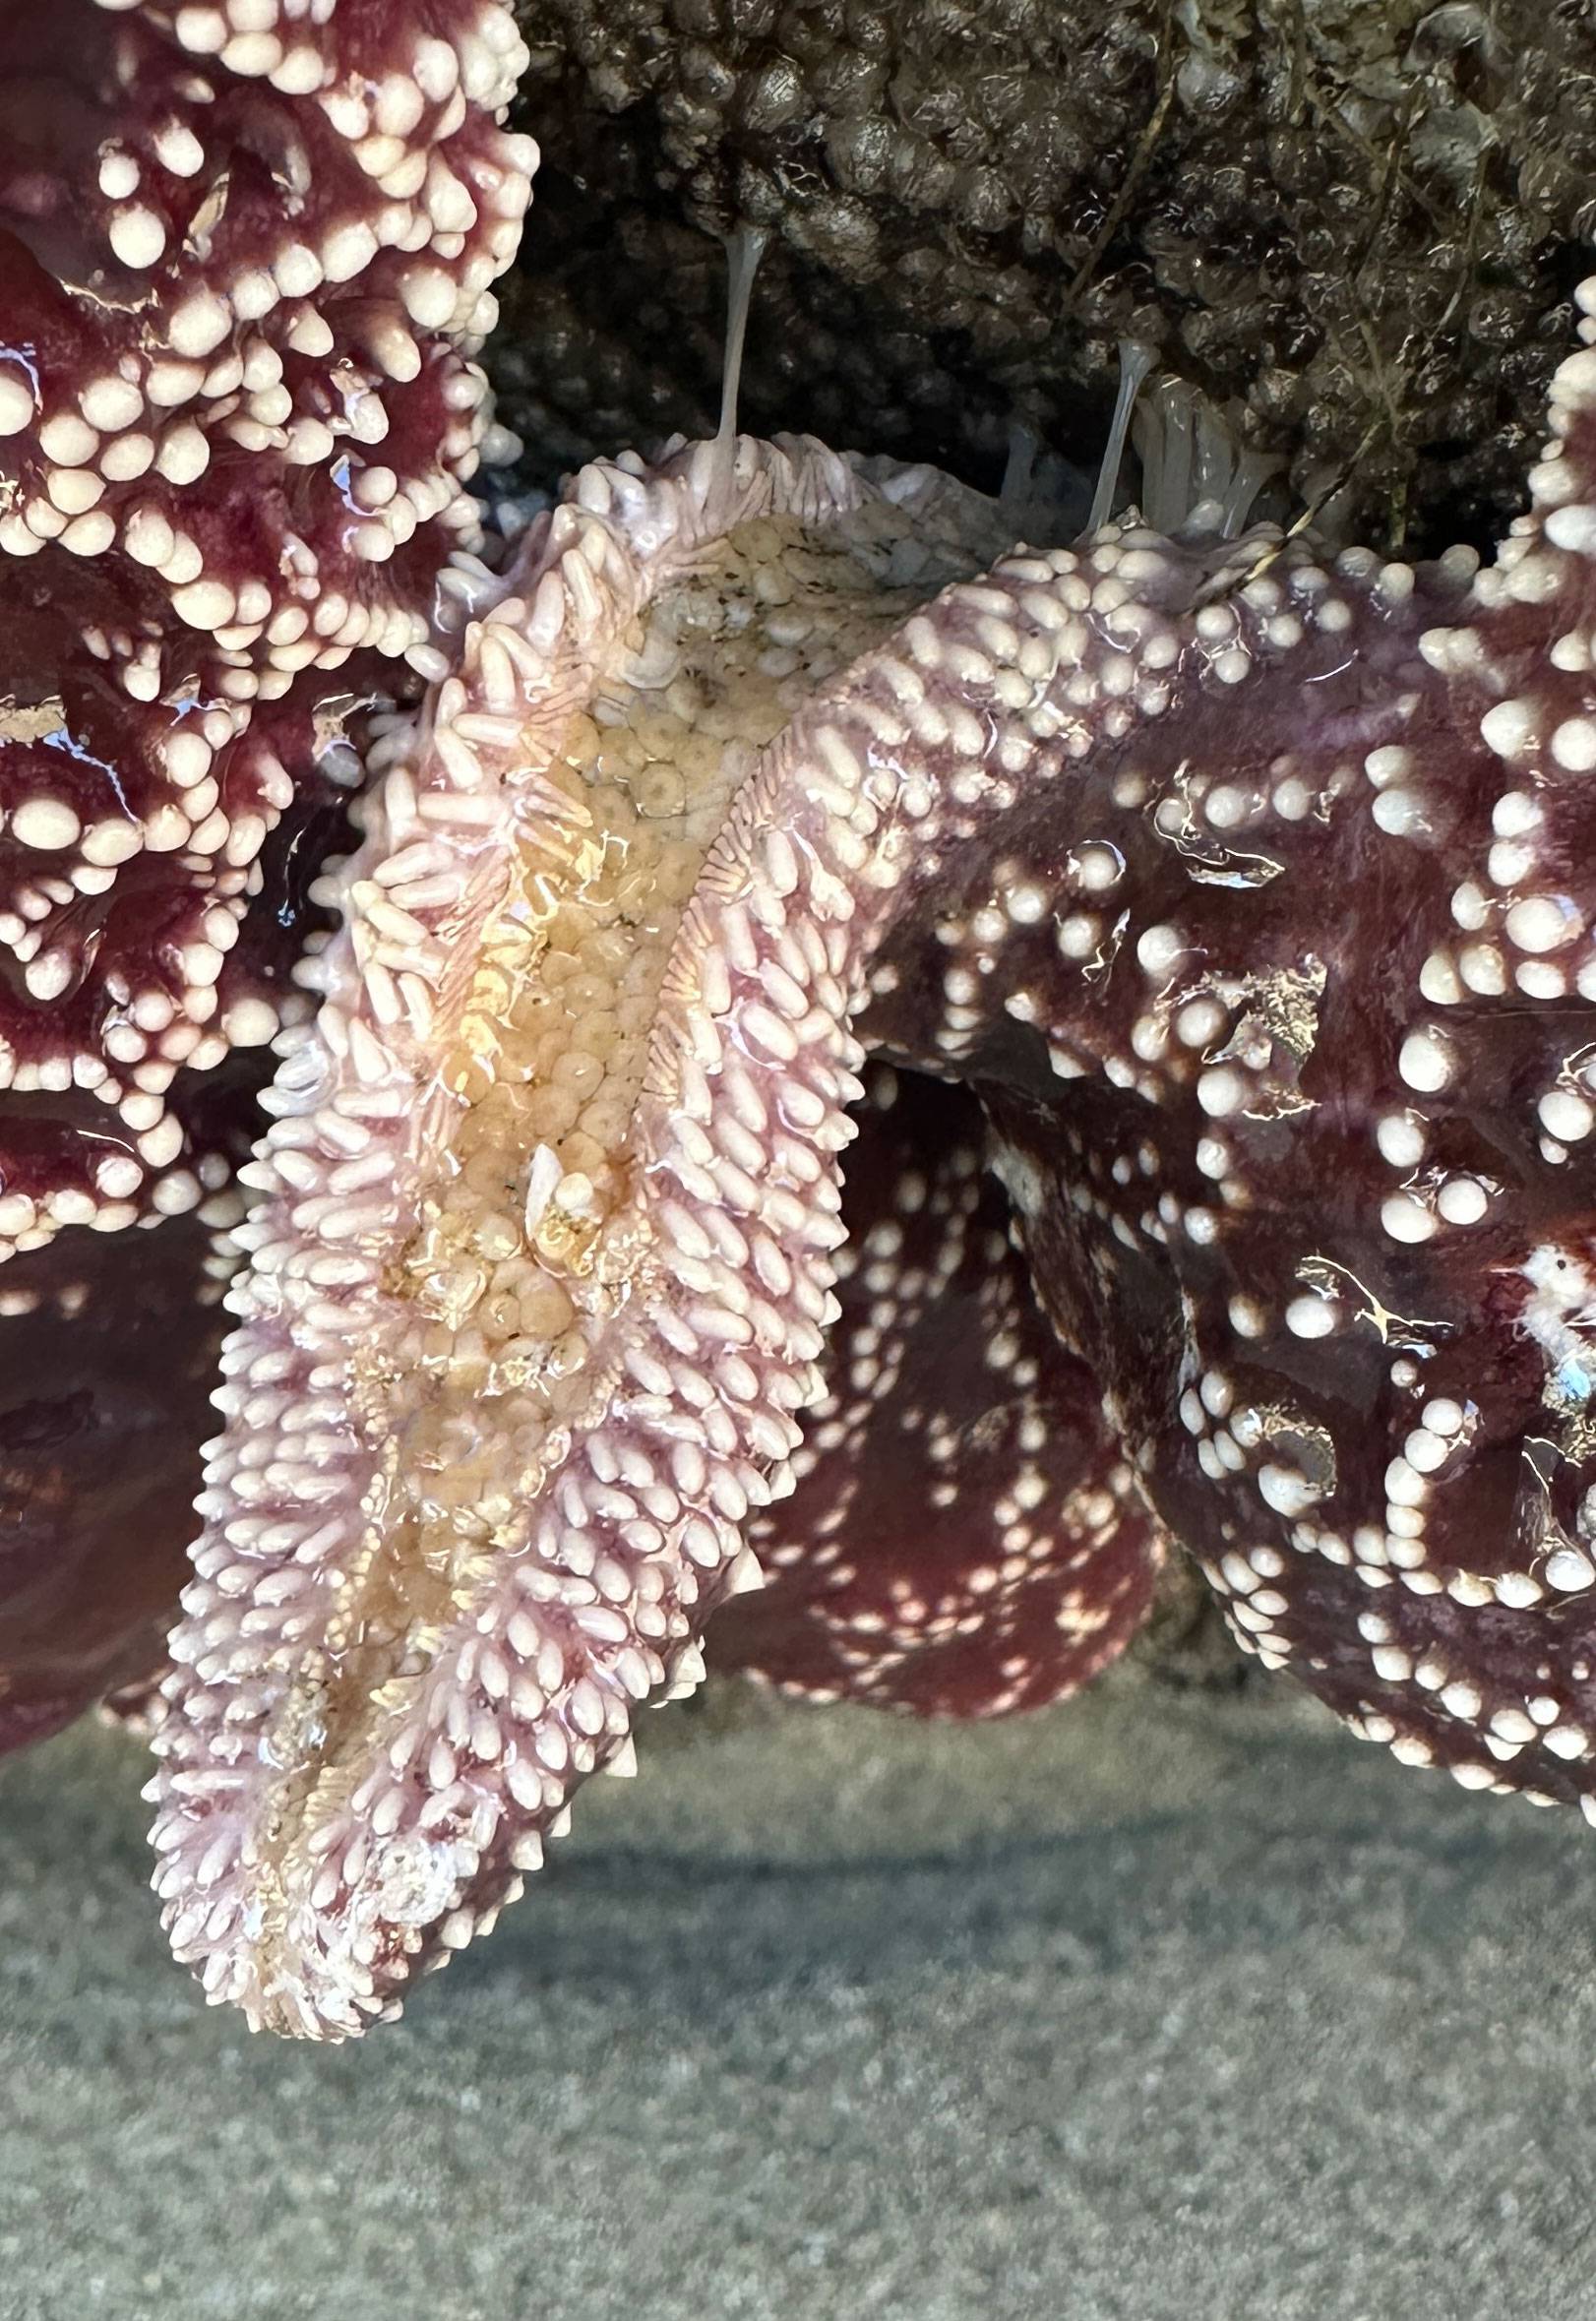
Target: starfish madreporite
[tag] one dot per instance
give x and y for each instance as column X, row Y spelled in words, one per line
column 1244, row 890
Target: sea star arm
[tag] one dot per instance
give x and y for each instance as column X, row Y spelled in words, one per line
column 244, row 263
column 498, row 1405
column 1284, row 1032
column 1200, row 859
column 965, row 1536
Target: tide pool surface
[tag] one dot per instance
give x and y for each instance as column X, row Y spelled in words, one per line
column 1162, row 2007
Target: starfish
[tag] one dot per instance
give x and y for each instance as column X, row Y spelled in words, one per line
column 1238, row 883
column 245, row 275
column 1225, row 887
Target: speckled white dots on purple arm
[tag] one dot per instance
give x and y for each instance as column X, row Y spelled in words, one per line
column 1242, row 886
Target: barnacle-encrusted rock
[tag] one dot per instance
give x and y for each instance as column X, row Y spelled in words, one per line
column 1360, row 221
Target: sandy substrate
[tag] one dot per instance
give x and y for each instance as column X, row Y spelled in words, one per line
column 1157, row 2008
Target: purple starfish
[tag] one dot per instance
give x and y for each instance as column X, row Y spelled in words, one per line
column 244, row 262
column 965, row 1536
column 1242, row 887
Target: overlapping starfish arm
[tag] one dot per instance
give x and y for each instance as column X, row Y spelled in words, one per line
column 966, row 1537
column 541, row 1272
column 1163, row 844
column 245, row 265
column 1290, row 1022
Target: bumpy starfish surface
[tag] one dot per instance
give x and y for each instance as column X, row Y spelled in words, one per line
column 245, row 260
column 1247, row 892
column 966, row 1537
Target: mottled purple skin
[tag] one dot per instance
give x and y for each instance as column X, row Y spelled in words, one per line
column 966, row 1537
column 1272, row 1334
column 99, row 1461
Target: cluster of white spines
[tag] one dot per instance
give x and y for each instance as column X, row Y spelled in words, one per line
column 426, row 221
column 407, row 198
column 636, row 1534
column 295, row 45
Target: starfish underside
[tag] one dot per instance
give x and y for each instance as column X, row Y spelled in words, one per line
column 501, row 1264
